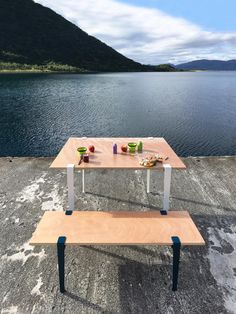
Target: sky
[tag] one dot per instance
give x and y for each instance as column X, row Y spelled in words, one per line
column 157, row 31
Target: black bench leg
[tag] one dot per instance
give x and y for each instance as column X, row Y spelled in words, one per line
column 176, row 256
column 61, row 261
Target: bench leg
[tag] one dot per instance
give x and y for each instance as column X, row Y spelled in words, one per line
column 167, row 181
column 61, row 262
column 70, row 185
column 176, row 256
column 148, row 180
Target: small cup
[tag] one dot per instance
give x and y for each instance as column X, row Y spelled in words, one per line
column 81, row 151
column 132, row 147
column 86, row 157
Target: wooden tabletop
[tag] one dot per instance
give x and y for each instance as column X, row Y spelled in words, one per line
column 104, row 158
column 116, row 228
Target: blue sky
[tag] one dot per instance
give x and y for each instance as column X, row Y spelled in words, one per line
column 157, row 31
column 212, row 14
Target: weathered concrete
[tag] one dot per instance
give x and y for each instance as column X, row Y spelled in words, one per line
column 118, row 279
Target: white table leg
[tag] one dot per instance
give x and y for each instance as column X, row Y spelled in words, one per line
column 70, row 185
column 167, row 182
column 83, row 181
column 148, row 180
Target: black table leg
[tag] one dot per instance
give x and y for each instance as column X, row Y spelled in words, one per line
column 176, row 256
column 61, row 261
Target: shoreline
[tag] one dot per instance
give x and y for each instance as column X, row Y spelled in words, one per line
column 104, row 72
column 41, row 72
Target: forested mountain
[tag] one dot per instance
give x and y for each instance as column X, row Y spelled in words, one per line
column 31, row 34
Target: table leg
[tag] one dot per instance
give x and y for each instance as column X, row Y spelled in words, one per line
column 61, row 262
column 70, row 185
column 167, row 182
column 83, row 184
column 148, row 180
column 176, row 256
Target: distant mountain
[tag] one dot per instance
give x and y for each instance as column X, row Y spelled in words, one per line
column 213, row 65
column 31, row 34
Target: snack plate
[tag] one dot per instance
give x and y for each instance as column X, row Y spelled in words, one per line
column 149, row 160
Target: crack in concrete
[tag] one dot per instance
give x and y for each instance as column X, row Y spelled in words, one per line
column 36, row 289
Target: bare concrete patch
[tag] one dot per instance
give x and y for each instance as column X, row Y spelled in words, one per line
column 23, row 253
column 9, row 310
column 31, row 191
column 222, row 257
column 54, row 202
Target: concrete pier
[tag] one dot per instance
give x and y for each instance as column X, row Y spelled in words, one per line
column 103, row 279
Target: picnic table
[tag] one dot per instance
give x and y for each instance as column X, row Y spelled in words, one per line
column 171, row 228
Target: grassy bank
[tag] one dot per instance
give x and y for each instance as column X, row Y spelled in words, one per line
column 51, row 67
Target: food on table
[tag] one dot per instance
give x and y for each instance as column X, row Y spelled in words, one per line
column 91, row 148
column 81, row 150
column 151, row 160
column 114, row 148
column 132, row 147
column 161, row 158
column 124, row 148
column 86, row 157
column 140, row 147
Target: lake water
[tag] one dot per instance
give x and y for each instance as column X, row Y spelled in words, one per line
column 195, row 112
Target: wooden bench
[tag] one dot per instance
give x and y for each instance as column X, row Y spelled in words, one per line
column 116, row 228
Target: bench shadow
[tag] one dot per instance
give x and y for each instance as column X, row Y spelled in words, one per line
column 159, row 208
column 111, row 254
column 140, row 285
column 88, row 304
column 187, row 200
column 125, row 201
column 145, row 288
column 142, row 250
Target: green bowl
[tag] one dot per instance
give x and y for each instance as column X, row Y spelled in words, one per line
column 81, row 150
column 132, row 147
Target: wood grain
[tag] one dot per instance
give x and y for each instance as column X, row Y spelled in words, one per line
column 117, row 228
column 105, row 159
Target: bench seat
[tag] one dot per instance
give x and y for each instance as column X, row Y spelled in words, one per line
column 117, row 228
column 175, row 228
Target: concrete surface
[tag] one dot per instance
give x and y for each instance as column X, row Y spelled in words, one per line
column 118, row 279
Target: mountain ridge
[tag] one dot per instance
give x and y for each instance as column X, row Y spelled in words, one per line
column 210, row 65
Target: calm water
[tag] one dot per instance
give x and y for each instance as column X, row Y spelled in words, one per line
column 195, row 112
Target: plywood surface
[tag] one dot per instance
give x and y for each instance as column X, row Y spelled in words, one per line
column 117, row 228
column 105, row 159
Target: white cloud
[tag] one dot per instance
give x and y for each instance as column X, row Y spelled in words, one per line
column 143, row 34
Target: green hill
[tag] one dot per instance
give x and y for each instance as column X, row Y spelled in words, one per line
column 35, row 37
column 164, row 68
